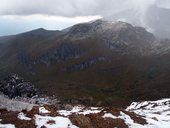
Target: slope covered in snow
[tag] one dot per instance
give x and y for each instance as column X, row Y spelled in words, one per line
column 156, row 113
column 146, row 114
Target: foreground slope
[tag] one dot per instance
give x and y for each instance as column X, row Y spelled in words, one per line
column 150, row 114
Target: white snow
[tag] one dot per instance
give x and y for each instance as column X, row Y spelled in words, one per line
column 129, row 121
column 22, row 116
column 80, row 110
column 7, row 126
column 43, row 110
column 75, row 109
column 60, row 122
column 156, row 113
column 109, row 115
column 86, row 112
column 126, row 118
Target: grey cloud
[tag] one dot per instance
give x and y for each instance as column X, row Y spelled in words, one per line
column 48, row 7
column 151, row 14
column 67, row 7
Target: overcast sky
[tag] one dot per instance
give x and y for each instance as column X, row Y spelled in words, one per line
column 22, row 15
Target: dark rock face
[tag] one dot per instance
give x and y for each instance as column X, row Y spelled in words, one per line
column 85, row 65
column 14, row 86
column 61, row 53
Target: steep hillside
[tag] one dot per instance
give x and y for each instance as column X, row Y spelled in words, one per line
column 101, row 62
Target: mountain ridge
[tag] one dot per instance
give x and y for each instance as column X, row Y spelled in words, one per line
column 101, row 61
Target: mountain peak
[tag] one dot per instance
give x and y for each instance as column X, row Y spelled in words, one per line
column 98, row 26
column 122, row 25
column 100, row 22
column 38, row 30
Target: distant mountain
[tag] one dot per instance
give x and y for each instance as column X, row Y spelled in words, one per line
column 154, row 18
column 102, row 62
column 38, row 33
column 158, row 20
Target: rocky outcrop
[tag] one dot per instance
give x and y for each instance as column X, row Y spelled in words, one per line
column 84, row 65
column 14, row 86
column 61, row 53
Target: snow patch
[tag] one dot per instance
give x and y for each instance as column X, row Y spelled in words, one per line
column 80, row 110
column 86, row 112
column 60, row 122
column 43, row 110
column 22, row 116
column 7, row 126
column 129, row 121
column 156, row 113
column 109, row 115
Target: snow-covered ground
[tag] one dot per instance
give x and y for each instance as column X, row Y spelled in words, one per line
column 57, row 122
column 156, row 114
